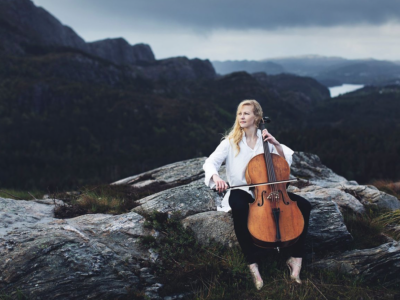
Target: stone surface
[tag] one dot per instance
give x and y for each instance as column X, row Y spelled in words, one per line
column 381, row 263
column 212, row 226
column 308, row 166
column 178, row 173
column 371, row 196
column 341, row 198
column 189, row 199
column 327, row 230
column 92, row 256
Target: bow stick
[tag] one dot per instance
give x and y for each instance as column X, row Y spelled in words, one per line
column 257, row 184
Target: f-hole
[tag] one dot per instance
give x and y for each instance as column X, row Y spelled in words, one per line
column 283, row 199
column 262, row 198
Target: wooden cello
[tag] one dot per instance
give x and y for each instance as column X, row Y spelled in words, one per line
column 274, row 220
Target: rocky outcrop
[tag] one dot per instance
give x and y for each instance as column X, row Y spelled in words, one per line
column 189, row 199
column 27, row 25
column 212, row 226
column 377, row 264
column 369, row 196
column 179, row 68
column 341, row 198
column 171, row 175
column 308, row 166
column 96, row 256
column 100, row 256
column 120, row 52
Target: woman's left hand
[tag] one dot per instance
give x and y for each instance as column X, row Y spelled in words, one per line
column 268, row 137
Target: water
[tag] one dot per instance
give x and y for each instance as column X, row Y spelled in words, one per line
column 344, row 88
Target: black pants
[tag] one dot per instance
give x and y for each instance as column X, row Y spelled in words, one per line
column 239, row 202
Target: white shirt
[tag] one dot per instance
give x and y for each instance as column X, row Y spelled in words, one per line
column 236, row 165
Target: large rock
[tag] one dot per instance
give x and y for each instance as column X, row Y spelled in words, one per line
column 308, row 166
column 377, row 264
column 327, row 230
column 171, row 175
column 189, row 199
column 341, row 198
column 120, row 52
column 92, row 256
column 212, row 226
column 371, row 196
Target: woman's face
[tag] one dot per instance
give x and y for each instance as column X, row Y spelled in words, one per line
column 246, row 117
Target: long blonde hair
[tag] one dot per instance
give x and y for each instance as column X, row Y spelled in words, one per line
column 235, row 135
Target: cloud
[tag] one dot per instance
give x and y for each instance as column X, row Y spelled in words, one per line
column 208, row 15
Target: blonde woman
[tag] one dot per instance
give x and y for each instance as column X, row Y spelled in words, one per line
column 243, row 142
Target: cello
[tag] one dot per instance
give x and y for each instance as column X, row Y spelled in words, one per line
column 274, row 220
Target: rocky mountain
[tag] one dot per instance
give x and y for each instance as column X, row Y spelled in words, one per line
column 104, row 256
column 120, row 52
column 330, row 71
column 24, row 26
column 250, row 66
column 29, row 30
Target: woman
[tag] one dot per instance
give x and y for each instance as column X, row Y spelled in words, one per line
column 243, row 142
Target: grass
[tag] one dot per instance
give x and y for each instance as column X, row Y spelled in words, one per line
column 21, row 195
column 366, row 233
column 15, row 295
column 388, row 186
column 213, row 272
column 390, row 221
column 104, row 198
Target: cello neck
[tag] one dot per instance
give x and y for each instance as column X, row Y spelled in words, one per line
column 268, row 158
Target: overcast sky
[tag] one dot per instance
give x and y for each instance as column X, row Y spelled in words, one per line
column 240, row 29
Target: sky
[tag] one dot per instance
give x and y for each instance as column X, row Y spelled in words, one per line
column 240, row 29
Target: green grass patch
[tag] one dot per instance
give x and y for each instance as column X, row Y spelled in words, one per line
column 104, row 198
column 16, row 295
column 366, row 233
column 21, row 195
column 390, row 221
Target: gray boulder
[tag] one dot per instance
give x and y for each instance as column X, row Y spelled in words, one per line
column 92, row 256
column 171, row 175
column 308, row 166
column 377, row 264
column 340, row 197
column 212, row 226
column 327, row 230
column 371, row 196
column 189, row 199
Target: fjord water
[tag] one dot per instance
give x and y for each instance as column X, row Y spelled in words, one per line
column 344, row 88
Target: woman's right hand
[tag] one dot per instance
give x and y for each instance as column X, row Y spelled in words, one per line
column 220, row 185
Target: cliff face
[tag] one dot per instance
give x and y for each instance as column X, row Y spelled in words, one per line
column 120, row 52
column 29, row 30
column 24, row 24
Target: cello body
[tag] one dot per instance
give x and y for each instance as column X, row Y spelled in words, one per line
column 274, row 219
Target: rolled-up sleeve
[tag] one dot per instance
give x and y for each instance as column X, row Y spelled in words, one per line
column 214, row 162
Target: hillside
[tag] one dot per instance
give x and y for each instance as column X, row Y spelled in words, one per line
column 75, row 113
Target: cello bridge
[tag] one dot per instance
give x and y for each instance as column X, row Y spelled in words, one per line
column 273, row 196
